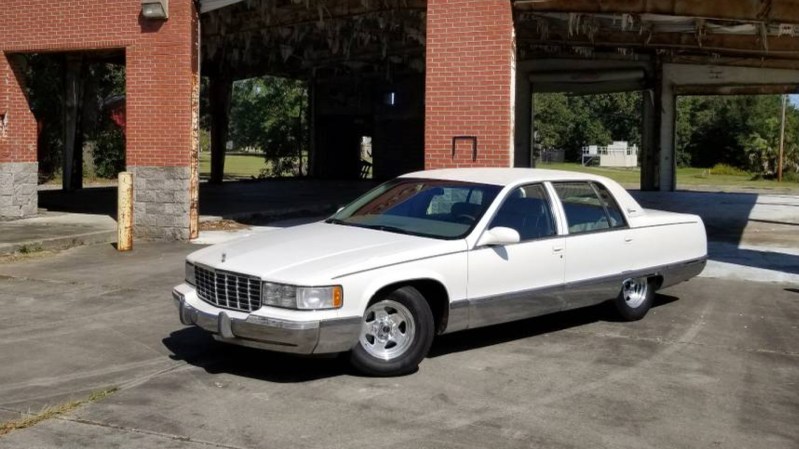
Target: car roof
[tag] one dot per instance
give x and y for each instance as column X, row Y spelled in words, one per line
column 503, row 176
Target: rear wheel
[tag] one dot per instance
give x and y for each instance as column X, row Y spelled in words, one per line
column 396, row 333
column 635, row 298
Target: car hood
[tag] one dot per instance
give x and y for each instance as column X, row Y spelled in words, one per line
column 318, row 253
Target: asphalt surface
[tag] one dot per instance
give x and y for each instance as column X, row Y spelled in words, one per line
column 715, row 364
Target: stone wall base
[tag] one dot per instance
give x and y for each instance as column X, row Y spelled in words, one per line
column 161, row 202
column 18, row 194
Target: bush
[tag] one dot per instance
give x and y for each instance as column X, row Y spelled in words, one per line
column 790, row 176
column 724, row 169
column 109, row 152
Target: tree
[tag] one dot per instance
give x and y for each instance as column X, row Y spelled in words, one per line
column 572, row 122
column 44, row 81
column 268, row 114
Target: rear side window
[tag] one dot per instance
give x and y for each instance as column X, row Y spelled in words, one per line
column 588, row 207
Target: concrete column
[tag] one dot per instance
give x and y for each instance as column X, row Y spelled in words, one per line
column 658, row 158
column 161, row 202
column 220, row 92
column 18, row 195
column 523, row 115
column 470, row 78
column 667, row 153
column 650, row 130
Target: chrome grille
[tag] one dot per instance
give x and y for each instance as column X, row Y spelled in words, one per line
column 228, row 290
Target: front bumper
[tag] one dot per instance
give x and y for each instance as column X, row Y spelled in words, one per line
column 263, row 332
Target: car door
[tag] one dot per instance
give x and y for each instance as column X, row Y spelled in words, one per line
column 520, row 280
column 596, row 243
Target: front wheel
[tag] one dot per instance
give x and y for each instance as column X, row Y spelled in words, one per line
column 635, row 298
column 396, row 333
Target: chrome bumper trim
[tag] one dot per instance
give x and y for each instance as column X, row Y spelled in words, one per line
column 299, row 337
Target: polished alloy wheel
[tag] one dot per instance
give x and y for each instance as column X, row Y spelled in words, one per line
column 387, row 330
column 634, row 291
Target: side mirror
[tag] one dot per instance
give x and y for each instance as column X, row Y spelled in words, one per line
column 339, row 209
column 499, row 236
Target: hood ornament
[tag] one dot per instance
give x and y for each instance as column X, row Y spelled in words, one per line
column 224, row 256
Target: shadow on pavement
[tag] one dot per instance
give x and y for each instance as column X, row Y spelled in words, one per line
column 766, row 219
column 197, row 347
column 91, row 200
column 228, row 200
column 769, row 260
column 532, row 327
column 725, row 214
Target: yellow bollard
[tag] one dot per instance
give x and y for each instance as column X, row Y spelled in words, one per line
column 125, row 212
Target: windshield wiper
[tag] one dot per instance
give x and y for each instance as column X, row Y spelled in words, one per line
column 389, row 229
column 335, row 221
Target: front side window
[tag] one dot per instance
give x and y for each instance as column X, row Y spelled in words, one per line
column 424, row 207
column 526, row 210
column 588, row 208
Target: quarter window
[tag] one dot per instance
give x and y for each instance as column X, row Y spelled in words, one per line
column 588, row 207
column 611, row 207
column 526, row 210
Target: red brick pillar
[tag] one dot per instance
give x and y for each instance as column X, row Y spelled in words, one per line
column 18, row 165
column 469, row 83
column 162, row 74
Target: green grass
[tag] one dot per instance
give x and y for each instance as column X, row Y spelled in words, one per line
column 688, row 177
column 236, row 165
column 31, row 420
column 247, row 166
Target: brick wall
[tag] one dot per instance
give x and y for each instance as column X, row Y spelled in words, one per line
column 160, row 62
column 17, row 125
column 469, row 82
column 161, row 73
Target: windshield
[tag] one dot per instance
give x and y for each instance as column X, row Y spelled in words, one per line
column 423, row 207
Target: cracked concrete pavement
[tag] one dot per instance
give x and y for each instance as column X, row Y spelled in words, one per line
column 715, row 364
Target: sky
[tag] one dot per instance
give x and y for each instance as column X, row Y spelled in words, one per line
column 794, row 99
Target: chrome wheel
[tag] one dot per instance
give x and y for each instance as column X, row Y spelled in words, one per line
column 387, row 330
column 634, row 292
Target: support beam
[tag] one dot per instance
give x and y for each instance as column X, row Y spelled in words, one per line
column 651, row 112
column 523, row 115
column 220, row 91
column 650, row 129
column 773, row 11
column 73, row 130
column 667, row 148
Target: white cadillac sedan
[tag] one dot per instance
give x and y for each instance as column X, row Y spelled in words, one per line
column 435, row 252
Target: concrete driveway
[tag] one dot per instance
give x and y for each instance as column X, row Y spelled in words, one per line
column 715, row 364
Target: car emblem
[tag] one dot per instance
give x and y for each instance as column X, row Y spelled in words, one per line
column 224, row 256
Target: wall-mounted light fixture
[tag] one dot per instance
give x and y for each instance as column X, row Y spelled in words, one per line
column 390, row 98
column 155, row 9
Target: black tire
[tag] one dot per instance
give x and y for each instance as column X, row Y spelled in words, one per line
column 635, row 298
column 411, row 323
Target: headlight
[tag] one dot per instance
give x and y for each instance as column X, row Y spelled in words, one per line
column 190, row 279
column 304, row 298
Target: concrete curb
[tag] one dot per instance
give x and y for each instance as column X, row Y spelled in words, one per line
column 58, row 243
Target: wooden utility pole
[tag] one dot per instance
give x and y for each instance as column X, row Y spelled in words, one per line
column 782, row 138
